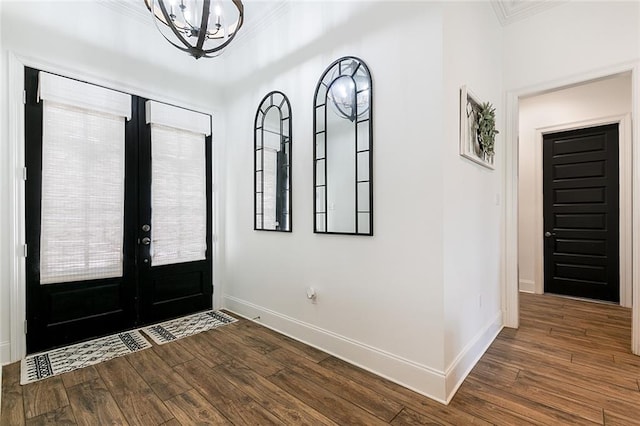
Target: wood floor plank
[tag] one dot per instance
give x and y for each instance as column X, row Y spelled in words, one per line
column 192, row 408
column 364, row 397
column 203, row 350
column 234, row 404
column 235, row 350
column 448, row 415
column 78, row 376
column 494, row 414
column 158, row 375
column 611, row 418
column 174, row 353
column 92, row 404
column 408, row 417
column 281, row 340
column 61, row 416
column 336, row 408
column 536, row 409
column 12, row 410
column 285, row 406
column 246, row 337
column 136, row 399
column 44, row 396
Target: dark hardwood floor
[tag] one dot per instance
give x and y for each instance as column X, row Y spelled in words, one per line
column 569, row 363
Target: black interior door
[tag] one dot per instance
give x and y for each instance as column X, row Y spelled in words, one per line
column 61, row 313
column 581, row 213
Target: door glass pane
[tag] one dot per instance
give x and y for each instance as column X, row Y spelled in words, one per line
column 178, row 196
column 82, row 194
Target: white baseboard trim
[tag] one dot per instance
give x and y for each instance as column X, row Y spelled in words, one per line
column 415, row 376
column 470, row 355
column 5, row 353
column 527, row 286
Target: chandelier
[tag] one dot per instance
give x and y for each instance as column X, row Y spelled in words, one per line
column 202, row 28
column 348, row 92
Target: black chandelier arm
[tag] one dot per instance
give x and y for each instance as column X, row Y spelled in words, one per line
column 202, row 35
column 208, row 52
column 163, row 9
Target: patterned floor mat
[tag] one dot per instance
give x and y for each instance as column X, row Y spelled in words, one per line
column 186, row 326
column 62, row 360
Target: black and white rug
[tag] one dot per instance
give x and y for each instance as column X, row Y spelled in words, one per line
column 178, row 328
column 57, row 361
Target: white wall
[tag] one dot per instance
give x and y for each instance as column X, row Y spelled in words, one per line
column 379, row 298
column 4, row 288
column 88, row 39
column 471, row 196
column 600, row 99
column 572, row 38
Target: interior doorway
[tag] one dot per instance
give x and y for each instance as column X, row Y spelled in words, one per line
column 588, row 105
column 514, row 171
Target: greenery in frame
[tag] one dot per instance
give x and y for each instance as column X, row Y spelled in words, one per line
column 485, row 126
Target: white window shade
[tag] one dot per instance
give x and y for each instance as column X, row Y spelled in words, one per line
column 82, row 220
column 178, row 196
column 66, row 91
column 177, row 118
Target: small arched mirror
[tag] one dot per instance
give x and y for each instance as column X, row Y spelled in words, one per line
column 343, row 162
column 272, row 164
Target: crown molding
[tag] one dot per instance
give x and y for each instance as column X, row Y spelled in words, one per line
column 132, row 8
column 269, row 14
column 510, row 11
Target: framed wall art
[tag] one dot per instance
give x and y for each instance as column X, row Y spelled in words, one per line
column 477, row 129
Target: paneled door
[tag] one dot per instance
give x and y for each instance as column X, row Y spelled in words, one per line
column 581, row 213
column 118, row 212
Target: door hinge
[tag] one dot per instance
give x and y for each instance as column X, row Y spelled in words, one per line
column 24, row 250
column 24, row 97
column 25, row 326
column 24, row 173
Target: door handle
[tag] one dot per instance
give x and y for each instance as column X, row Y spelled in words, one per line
column 549, row 234
column 146, row 241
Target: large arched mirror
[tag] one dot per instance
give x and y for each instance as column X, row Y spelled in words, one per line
column 272, row 164
column 343, row 162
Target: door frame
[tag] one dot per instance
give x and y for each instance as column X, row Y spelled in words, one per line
column 625, row 228
column 16, row 142
column 510, row 296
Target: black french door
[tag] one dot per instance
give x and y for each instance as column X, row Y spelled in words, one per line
column 61, row 313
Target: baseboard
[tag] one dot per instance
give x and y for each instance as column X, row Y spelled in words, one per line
column 527, row 286
column 5, row 353
column 410, row 374
column 470, row 355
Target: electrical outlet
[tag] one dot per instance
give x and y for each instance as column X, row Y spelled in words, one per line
column 311, row 294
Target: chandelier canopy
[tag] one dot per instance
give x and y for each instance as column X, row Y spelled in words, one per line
column 202, row 28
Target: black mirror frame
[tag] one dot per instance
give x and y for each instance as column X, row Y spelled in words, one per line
column 323, row 104
column 261, row 113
